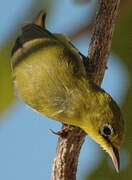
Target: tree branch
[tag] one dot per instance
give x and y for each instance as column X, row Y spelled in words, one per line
column 88, row 27
column 101, row 40
column 68, row 149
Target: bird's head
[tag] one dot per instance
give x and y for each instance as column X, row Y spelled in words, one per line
column 106, row 127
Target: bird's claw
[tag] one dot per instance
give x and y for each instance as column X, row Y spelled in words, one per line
column 62, row 133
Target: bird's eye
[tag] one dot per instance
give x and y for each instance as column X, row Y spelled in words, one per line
column 106, row 130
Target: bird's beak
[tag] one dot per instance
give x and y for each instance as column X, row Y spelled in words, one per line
column 114, row 154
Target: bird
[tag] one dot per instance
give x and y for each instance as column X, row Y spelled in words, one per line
column 49, row 75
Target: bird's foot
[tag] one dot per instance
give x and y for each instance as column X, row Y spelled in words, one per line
column 63, row 133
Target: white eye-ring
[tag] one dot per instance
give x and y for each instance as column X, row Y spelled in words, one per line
column 106, row 130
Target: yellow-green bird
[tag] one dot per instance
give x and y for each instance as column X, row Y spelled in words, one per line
column 49, row 75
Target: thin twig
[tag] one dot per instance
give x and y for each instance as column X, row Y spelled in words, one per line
column 68, row 149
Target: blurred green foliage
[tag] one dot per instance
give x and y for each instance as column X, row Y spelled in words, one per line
column 6, row 89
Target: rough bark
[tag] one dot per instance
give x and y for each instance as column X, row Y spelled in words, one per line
column 68, row 149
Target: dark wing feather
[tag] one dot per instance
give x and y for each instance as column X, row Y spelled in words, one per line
column 30, row 32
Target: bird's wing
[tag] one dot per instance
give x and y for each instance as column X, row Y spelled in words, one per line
column 66, row 40
column 30, row 32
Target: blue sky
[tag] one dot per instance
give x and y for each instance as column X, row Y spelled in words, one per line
column 27, row 145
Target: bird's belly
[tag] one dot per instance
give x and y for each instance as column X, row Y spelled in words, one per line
column 41, row 87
